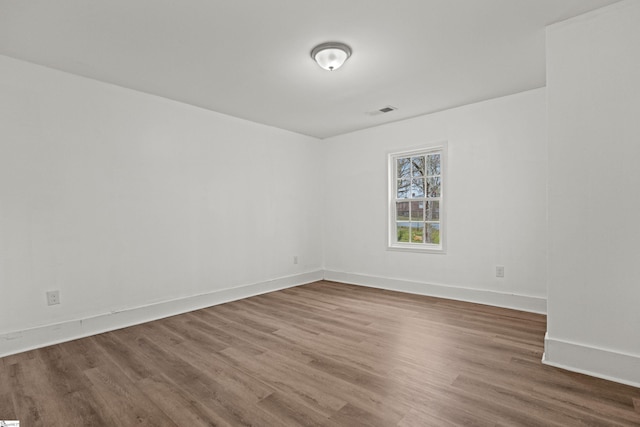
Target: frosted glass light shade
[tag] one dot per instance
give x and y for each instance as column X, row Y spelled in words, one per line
column 331, row 56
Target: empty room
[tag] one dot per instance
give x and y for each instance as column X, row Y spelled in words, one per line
column 319, row 213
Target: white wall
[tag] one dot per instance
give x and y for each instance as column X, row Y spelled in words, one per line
column 136, row 207
column 593, row 68
column 120, row 200
column 496, row 204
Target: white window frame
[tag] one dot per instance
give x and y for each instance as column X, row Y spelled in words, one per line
column 393, row 244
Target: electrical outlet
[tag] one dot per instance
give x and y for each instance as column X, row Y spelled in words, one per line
column 53, row 297
column 500, row 271
column 295, row 259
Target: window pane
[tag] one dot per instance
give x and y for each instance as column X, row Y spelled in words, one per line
column 433, row 164
column 433, row 187
column 417, row 166
column 433, row 211
column 417, row 199
column 417, row 187
column 417, row 232
column 402, row 211
column 417, row 211
column 404, row 185
column 433, row 233
column 403, row 231
column 404, row 167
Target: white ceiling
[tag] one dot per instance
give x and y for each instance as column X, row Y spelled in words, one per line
column 250, row 58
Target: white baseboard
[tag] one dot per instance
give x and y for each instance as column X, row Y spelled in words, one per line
column 29, row 339
column 596, row 362
column 498, row 299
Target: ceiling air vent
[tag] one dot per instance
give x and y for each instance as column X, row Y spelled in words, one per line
column 382, row 110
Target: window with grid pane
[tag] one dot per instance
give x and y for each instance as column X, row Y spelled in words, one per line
column 416, row 199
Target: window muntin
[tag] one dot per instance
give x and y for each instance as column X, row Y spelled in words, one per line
column 416, row 200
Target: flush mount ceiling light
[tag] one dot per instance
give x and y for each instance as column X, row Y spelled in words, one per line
column 331, row 56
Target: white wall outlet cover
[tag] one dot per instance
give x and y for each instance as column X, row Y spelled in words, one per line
column 53, row 297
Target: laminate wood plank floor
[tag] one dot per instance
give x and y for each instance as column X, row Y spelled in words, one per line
column 321, row 354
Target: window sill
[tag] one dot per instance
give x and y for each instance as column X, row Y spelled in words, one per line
column 418, row 249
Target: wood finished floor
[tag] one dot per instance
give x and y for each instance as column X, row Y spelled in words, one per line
column 320, row 354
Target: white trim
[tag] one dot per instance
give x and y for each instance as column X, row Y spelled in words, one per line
column 597, row 362
column 498, row 299
column 392, row 177
column 41, row 336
